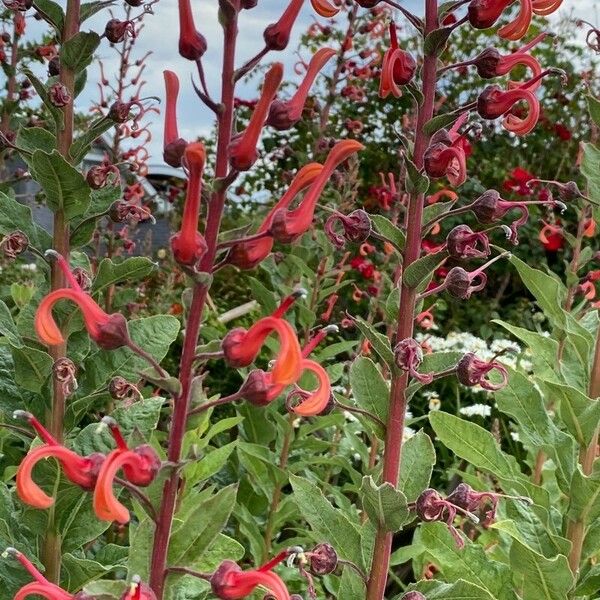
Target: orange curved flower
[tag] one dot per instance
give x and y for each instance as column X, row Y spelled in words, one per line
column 314, row 403
column 516, row 29
column 397, row 68
column 546, row 7
column 242, row 150
column 173, row 145
column 494, row 103
column 188, row 244
column 288, row 225
column 247, row 255
column 444, row 193
column 229, row 582
column 324, row 8
column 108, row 331
column 192, row 44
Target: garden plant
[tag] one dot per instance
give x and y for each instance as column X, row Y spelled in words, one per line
column 316, row 441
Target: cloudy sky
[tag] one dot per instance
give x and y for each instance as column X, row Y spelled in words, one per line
column 161, row 34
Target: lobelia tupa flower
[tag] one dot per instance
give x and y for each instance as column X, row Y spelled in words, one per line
column 277, row 35
column 446, row 154
column 289, row 225
column 188, row 244
column 398, row 67
column 173, row 145
column 242, row 151
column 241, row 346
column 80, row 470
column 260, row 389
column 192, row 44
column 140, row 467
column 247, row 255
column 230, row 582
column 108, row 331
column 494, row 102
column 41, row 587
column 285, row 114
column 325, row 8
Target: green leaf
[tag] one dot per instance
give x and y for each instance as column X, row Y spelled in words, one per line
column 31, row 139
column 471, row 442
column 32, row 367
column 42, row 92
column 82, row 144
column 386, row 506
column 423, row 268
column 130, row 270
column 594, row 109
column 579, row 413
column 435, row 41
column 8, row 327
column 261, row 294
column 53, row 13
column 590, row 168
column 432, row 212
column 78, row 52
column 328, row 524
column 439, row 122
column 385, row 228
column 459, row 590
column 416, row 182
column 193, row 535
column 369, row 388
column 16, row 216
column 380, row 342
column 585, row 496
column 89, row 9
column 64, row 186
column 470, row 563
column 542, row 578
column 77, row 572
column 418, row 458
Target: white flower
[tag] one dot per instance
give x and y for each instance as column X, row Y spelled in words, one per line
column 408, row 433
column 515, row 436
column 480, row 410
column 435, row 403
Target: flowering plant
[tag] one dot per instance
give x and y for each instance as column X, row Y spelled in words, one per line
column 169, row 481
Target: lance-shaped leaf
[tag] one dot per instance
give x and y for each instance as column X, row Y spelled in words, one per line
column 386, row 506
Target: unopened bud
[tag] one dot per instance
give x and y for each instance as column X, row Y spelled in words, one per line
column 323, row 559
column 485, row 206
column 458, row 282
column 13, row 244
column 65, row 372
column 59, row 95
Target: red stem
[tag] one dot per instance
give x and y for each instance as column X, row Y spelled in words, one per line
column 158, row 565
column 395, row 425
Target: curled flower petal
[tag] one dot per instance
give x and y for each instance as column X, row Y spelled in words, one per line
column 546, row 7
column 316, row 401
column 516, row 29
column 324, row 8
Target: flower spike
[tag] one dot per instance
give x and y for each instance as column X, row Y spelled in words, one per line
column 108, row 331
column 247, row 255
column 284, row 115
column 289, row 225
column 188, row 244
column 242, row 151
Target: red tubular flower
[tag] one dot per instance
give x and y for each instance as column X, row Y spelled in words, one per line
column 289, row 225
column 108, row 331
column 277, row 35
column 324, row 8
column 493, row 102
column 80, row 470
column 446, row 154
column 551, row 237
column 284, row 115
column 173, row 145
column 139, row 465
column 188, row 245
column 229, row 582
column 242, row 151
column 398, row 67
column 484, row 13
column 41, row 586
column 247, row 255
column 192, row 44
column 546, row 7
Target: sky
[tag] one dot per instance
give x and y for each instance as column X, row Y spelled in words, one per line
column 160, row 36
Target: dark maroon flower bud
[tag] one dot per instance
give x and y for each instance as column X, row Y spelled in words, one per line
column 277, row 35
column 135, row 3
column 121, row 389
column 54, row 67
column 472, row 371
column 121, row 211
column 462, row 242
column 486, row 206
column 114, row 333
column 13, row 244
column 487, row 63
column 356, row 225
column 6, row 37
column 368, row 3
column 484, row 13
column 19, row 5
column 65, row 372
column 248, row 4
column 256, row 388
column 413, row 596
column 458, row 283
column 429, row 505
column 461, row 496
column 219, row 581
column 25, row 84
column 323, row 559
column 83, row 278
column 59, row 95
column 280, row 116
column 152, row 463
column 116, row 30
column 173, row 152
column 569, row 191
column 408, row 355
column 119, row 111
